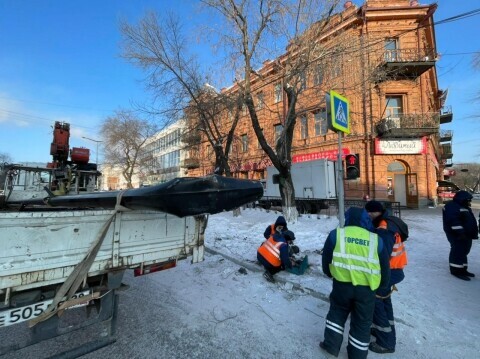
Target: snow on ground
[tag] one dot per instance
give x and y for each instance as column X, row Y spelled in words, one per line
column 211, row 310
column 437, row 314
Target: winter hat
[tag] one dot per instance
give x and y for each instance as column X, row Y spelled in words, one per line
column 289, row 235
column 374, row 206
column 281, row 221
column 463, row 196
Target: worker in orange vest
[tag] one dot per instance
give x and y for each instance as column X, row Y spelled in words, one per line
column 272, row 227
column 383, row 326
column 273, row 254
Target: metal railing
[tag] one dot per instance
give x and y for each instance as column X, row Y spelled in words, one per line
column 409, row 55
column 392, row 207
column 430, row 120
column 190, row 163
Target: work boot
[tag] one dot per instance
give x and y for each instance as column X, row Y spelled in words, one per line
column 467, row 273
column 268, row 277
column 324, row 347
column 461, row 276
column 374, row 347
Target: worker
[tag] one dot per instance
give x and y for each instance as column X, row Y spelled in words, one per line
column 383, row 325
column 290, row 238
column 272, row 227
column 358, row 262
column 273, row 254
column 461, row 227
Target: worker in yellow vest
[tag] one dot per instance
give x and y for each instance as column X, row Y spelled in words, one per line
column 359, row 264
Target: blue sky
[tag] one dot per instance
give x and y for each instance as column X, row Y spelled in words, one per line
column 60, row 62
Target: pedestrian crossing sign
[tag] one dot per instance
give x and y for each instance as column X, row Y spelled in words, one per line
column 338, row 110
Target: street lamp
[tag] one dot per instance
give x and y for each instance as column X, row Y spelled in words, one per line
column 97, row 142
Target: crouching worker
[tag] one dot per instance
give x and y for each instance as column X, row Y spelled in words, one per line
column 273, row 254
column 280, row 225
column 359, row 264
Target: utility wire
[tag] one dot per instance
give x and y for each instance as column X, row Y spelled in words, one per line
column 440, row 22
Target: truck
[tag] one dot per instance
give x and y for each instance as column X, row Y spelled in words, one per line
column 313, row 181
column 66, row 246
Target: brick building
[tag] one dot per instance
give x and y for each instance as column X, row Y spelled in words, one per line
column 385, row 67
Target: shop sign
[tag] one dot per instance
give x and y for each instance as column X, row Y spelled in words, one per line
column 329, row 155
column 400, row 147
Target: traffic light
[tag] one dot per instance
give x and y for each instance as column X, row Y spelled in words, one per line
column 352, row 165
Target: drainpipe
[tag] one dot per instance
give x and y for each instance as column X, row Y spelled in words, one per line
column 368, row 132
column 426, row 170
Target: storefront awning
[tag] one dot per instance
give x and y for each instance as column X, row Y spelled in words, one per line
column 448, row 184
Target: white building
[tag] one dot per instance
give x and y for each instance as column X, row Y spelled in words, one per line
column 165, row 150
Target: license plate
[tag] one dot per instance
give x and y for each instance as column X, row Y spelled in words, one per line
column 22, row 314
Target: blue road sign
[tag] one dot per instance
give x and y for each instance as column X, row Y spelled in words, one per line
column 339, row 109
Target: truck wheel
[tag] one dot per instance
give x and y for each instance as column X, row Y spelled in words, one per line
column 323, row 205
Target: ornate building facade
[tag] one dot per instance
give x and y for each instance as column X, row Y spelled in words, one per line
column 386, row 68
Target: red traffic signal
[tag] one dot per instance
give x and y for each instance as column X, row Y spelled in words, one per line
column 352, row 166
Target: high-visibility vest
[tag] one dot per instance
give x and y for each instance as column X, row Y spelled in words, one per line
column 270, row 250
column 398, row 257
column 355, row 257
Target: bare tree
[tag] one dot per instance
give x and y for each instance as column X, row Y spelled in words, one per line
column 159, row 46
column 124, row 135
column 476, row 65
column 467, row 177
column 251, row 28
column 476, row 61
column 5, row 158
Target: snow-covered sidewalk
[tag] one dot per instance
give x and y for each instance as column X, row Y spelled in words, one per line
column 437, row 314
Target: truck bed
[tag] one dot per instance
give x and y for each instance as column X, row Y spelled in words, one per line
column 43, row 248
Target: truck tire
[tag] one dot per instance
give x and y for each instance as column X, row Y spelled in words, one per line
column 323, row 205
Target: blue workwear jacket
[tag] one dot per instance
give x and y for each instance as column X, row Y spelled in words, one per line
column 357, row 217
column 458, row 218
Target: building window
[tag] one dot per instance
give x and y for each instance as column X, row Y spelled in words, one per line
column 394, row 106
column 336, row 69
column 391, row 50
column 303, row 127
column 302, row 81
column 244, row 109
column 278, row 92
column 260, row 101
column 321, row 124
column 318, row 76
column 244, row 143
column 278, row 132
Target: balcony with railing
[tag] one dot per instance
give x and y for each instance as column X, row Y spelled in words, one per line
column 409, row 63
column 447, row 163
column 445, row 135
column 190, row 163
column 447, row 151
column 446, row 115
column 409, row 125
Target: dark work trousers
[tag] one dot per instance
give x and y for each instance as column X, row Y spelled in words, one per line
column 383, row 326
column 459, row 250
column 268, row 267
column 345, row 299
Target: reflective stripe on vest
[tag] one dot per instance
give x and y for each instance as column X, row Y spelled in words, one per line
column 270, row 250
column 398, row 257
column 355, row 257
